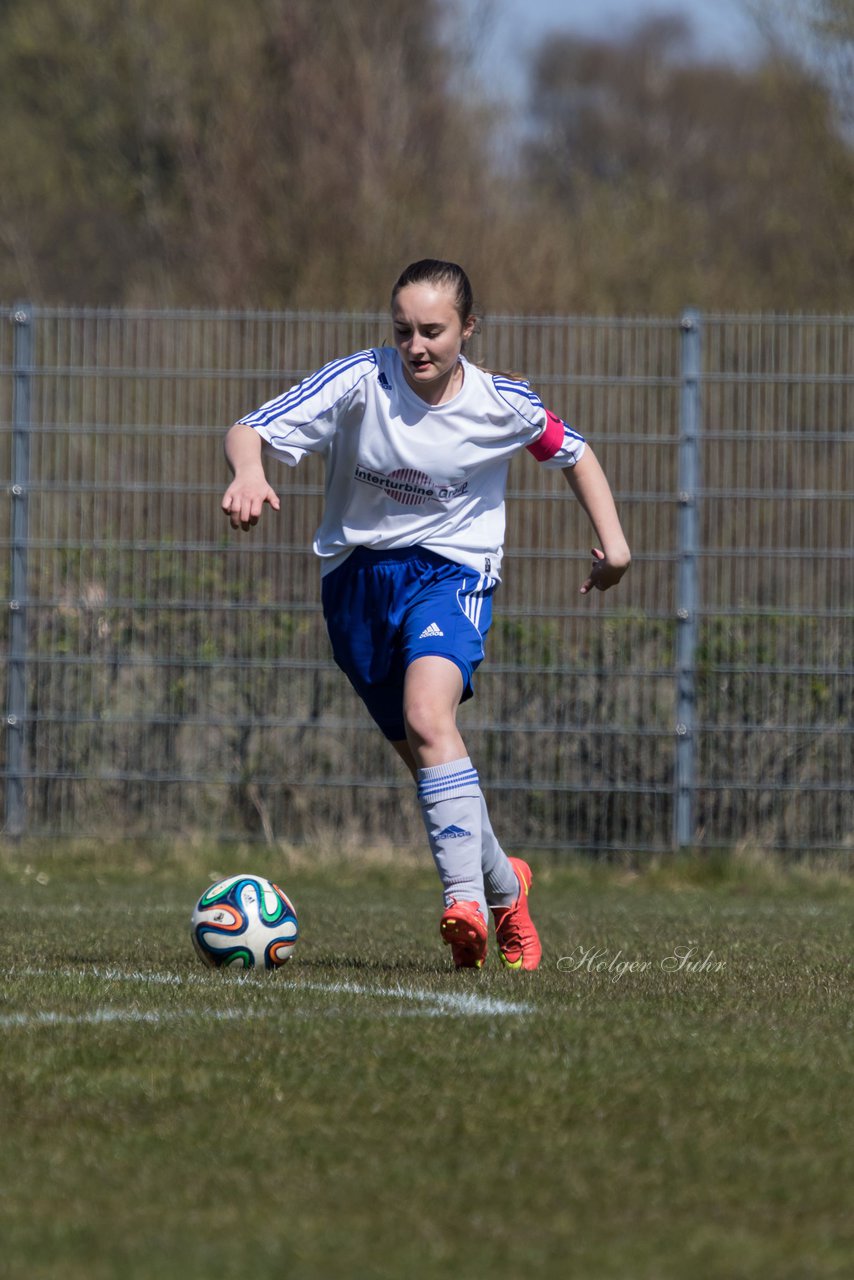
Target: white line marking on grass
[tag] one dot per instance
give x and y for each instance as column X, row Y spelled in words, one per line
column 430, row 1004
column 453, row 1002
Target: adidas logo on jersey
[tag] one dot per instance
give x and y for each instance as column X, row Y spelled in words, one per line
column 452, row 833
column 433, row 630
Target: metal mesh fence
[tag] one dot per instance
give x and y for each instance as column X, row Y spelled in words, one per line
column 166, row 675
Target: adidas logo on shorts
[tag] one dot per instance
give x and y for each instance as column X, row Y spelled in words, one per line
column 433, row 630
column 452, row 833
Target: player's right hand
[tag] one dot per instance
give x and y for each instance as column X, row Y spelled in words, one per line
column 243, row 500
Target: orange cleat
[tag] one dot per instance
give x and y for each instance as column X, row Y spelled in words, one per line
column 518, row 940
column 464, row 929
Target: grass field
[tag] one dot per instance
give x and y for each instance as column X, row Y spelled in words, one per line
column 635, row 1109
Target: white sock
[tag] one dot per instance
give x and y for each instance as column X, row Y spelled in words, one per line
column 452, row 805
column 499, row 879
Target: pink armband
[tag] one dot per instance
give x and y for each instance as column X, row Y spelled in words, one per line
column 551, row 440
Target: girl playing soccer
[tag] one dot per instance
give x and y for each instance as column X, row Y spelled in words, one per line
column 417, row 443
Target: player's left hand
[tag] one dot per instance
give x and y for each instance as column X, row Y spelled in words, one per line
column 603, row 574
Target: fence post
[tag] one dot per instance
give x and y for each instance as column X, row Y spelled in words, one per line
column 16, row 678
column 687, row 590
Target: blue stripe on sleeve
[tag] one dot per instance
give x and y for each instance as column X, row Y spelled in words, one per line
column 310, row 387
column 518, row 395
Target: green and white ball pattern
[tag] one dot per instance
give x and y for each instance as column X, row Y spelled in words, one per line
column 245, row 922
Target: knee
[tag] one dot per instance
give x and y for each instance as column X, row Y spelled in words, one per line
column 427, row 725
column 431, row 694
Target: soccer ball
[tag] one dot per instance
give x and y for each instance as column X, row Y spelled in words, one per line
column 244, row 921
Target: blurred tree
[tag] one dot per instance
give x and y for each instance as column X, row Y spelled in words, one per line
column 384, row 161
column 834, row 24
column 285, row 153
column 677, row 181
column 105, row 109
column 278, row 152
column 818, row 34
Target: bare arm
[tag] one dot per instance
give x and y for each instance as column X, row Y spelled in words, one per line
column 243, row 500
column 589, row 483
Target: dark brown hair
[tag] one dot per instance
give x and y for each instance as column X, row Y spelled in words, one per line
column 448, row 275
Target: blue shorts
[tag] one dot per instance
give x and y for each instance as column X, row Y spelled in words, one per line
column 383, row 609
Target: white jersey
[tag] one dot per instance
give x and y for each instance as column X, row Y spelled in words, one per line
column 401, row 472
